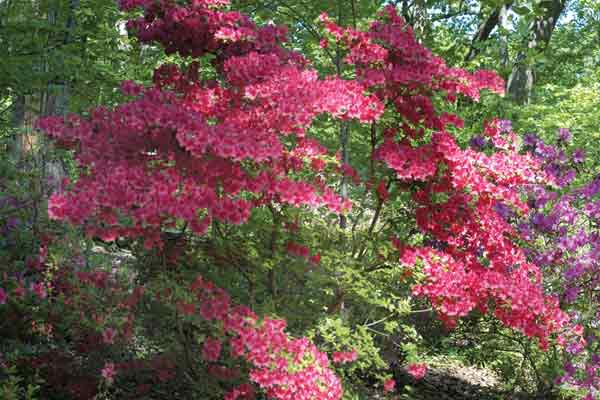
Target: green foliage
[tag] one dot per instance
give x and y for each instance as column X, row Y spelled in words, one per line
column 358, row 296
column 14, row 387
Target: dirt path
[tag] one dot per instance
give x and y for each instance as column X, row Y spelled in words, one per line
column 450, row 382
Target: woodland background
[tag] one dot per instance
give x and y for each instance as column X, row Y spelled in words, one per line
column 59, row 57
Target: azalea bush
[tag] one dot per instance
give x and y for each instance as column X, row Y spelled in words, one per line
column 263, row 203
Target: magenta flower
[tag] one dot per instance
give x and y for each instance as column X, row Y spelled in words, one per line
column 417, row 370
column 109, row 372
column 211, row 350
column 108, row 336
column 389, row 385
column 564, row 135
column 39, row 289
column 341, row 357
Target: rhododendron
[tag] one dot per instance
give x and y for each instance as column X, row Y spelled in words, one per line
column 211, row 349
column 285, row 368
column 39, row 289
column 197, row 152
column 108, row 335
column 315, row 259
column 417, row 370
column 243, row 391
column 297, row 250
column 109, row 372
column 474, row 183
column 562, row 222
column 389, row 385
column 382, row 191
column 341, row 357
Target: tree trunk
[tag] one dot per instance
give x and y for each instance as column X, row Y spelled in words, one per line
column 56, row 98
column 18, row 121
column 521, row 80
column 497, row 17
column 503, row 23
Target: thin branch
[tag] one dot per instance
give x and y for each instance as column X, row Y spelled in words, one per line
column 378, row 321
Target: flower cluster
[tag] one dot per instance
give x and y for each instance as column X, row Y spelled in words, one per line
column 197, row 150
column 342, row 357
column 417, row 370
column 476, row 262
column 479, row 262
column 565, row 220
column 109, row 372
column 389, row 385
column 285, row 368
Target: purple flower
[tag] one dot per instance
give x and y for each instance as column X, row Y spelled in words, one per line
column 571, row 294
column 552, row 169
column 574, row 272
column 3, row 296
column 540, row 222
column 531, row 140
column 504, row 125
column 593, row 210
column 575, row 348
column 567, row 178
column 9, row 201
column 544, row 258
column 578, row 156
column 564, row 135
column 545, row 151
column 569, row 369
column 503, row 210
column 562, row 157
column 525, row 230
column 477, row 142
column 539, row 197
column 592, row 188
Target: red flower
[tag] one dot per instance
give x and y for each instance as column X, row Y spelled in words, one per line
column 382, row 191
column 341, row 357
column 211, row 349
column 417, row 370
column 389, row 385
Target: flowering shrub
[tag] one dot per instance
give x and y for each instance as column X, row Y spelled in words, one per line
column 566, row 222
column 192, row 151
column 479, row 262
column 389, row 385
column 417, row 371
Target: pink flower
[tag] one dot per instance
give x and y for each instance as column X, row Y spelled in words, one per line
column 244, row 390
column 19, row 292
column 211, row 350
column 3, row 296
column 109, row 372
column 39, row 290
column 382, row 191
column 108, row 336
column 417, row 370
column 389, row 385
column 342, row 357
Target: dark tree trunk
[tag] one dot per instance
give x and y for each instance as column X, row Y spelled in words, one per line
column 522, row 77
column 56, row 99
column 18, row 120
column 497, row 17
